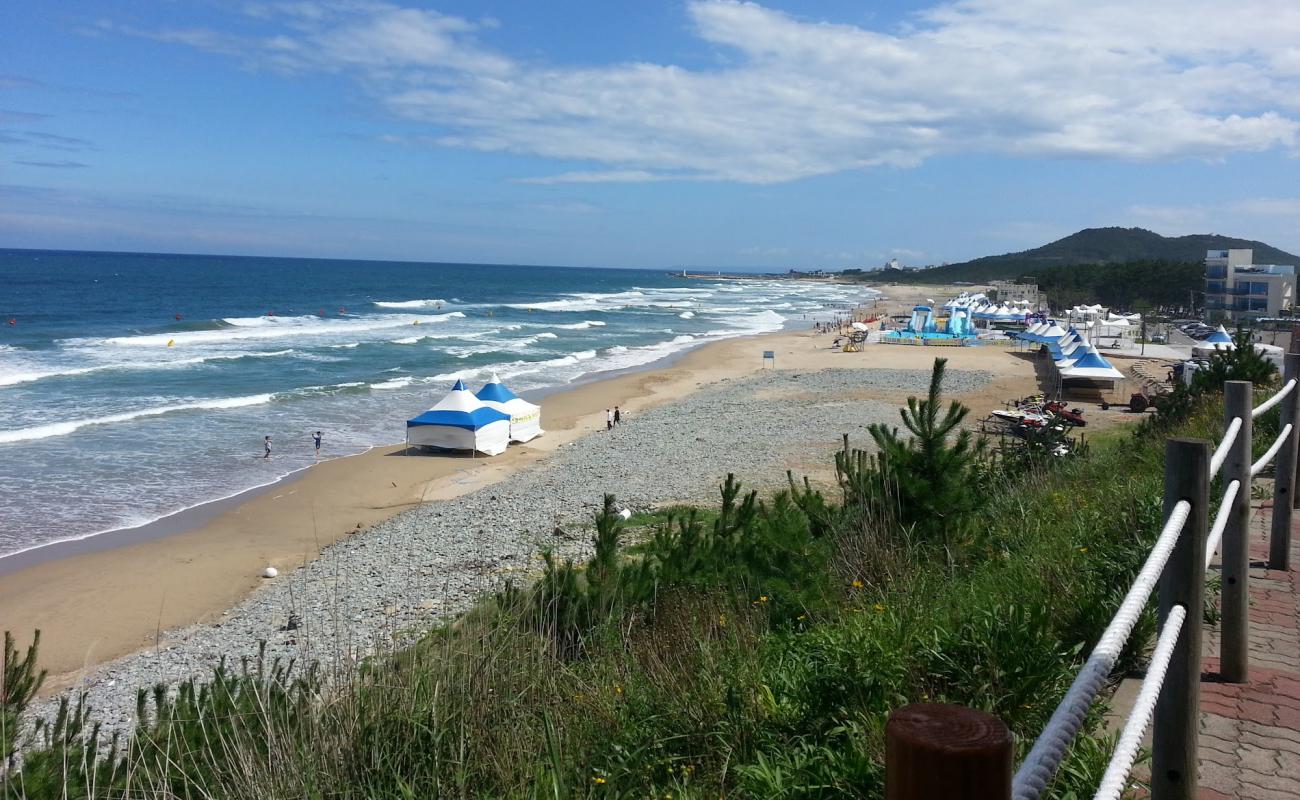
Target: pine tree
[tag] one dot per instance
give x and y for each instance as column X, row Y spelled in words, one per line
column 931, row 476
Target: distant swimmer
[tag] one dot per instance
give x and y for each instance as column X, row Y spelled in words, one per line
column 179, row 317
column 316, row 438
column 13, row 321
column 266, row 443
column 270, row 313
column 342, row 310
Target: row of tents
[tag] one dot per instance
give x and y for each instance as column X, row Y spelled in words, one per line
column 486, row 421
column 978, row 306
column 1075, row 358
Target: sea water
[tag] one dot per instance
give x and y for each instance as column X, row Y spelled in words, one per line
column 133, row 386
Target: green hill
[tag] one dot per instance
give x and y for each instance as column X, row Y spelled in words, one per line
column 1091, row 246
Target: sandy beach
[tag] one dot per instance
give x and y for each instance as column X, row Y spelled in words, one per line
column 96, row 606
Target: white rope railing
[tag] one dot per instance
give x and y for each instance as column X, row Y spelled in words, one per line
column 1221, row 521
column 1259, row 465
column 1274, row 400
column 1049, row 749
column 1115, row 781
column 1221, row 452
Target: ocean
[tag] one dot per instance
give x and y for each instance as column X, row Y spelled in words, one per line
column 134, row 386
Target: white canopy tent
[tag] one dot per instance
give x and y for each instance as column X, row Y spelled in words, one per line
column 460, row 421
column 525, row 417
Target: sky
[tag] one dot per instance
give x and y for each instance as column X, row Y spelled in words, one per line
column 711, row 133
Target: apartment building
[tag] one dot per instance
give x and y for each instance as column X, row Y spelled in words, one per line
column 1010, row 291
column 1237, row 287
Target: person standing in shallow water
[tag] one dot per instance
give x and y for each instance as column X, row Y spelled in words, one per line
column 315, row 437
column 609, row 420
column 266, row 442
column 618, row 417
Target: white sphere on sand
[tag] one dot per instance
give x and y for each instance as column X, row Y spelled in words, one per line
column 625, row 514
column 270, row 572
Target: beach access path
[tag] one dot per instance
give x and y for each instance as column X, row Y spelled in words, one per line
column 1250, row 733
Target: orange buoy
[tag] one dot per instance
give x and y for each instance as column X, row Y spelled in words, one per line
column 171, row 342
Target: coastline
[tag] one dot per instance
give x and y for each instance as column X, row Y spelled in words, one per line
column 105, row 602
column 104, row 596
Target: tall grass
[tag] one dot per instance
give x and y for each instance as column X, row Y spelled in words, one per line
column 752, row 650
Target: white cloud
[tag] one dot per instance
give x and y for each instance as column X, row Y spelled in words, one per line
column 1158, row 79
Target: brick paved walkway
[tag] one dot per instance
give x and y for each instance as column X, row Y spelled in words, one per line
column 1250, row 733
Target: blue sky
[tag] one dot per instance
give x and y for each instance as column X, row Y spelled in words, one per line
column 709, row 133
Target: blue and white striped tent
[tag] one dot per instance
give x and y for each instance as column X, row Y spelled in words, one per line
column 460, row 421
column 525, row 418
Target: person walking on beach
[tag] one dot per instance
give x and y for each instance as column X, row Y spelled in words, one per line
column 609, row 420
column 266, row 442
column 618, row 417
column 316, row 438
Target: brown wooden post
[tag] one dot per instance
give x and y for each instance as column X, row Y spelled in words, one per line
column 1178, row 716
column 952, row 752
column 1284, row 469
column 1234, row 643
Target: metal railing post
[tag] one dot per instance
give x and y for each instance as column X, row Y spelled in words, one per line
column 1177, row 715
column 1234, row 643
column 953, row 752
column 1279, row 541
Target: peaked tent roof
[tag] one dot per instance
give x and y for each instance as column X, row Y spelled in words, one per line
column 459, row 409
column 496, row 391
column 1092, row 365
column 1220, row 336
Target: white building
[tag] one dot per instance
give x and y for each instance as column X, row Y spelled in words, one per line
column 1237, row 287
column 1010, row 292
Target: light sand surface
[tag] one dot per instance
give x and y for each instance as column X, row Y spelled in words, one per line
column 96, row 606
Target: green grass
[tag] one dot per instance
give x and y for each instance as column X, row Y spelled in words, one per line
column 754, row 649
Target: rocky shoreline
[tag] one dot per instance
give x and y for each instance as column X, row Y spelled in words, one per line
column 385, row 585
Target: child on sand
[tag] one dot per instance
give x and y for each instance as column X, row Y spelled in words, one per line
column 609, row 420
column 618, row 416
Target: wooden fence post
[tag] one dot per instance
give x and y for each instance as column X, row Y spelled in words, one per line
column 1279, row 542
column 941, row 751
column 1235, row 629
column 1177, row 716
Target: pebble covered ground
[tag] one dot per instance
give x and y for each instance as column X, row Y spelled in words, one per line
column 384, row 585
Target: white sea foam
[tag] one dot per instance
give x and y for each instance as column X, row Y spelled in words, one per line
column 395, row 383
column 571, row 326
column 687, row 315
column 32, row 374
column 435, row 303
column 71, row 426
column 253, row 328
